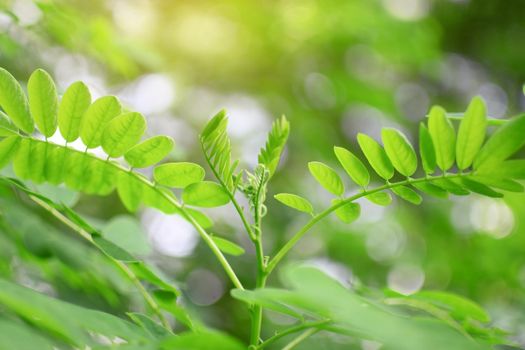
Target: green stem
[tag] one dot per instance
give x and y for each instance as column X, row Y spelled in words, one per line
column 300, row 338
column 299, row 234
column 204, row 235
column 291, row 330
column 122, row 266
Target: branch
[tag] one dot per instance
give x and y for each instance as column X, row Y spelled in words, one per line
column 299, row 234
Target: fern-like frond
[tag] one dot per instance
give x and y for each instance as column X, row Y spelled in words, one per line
column 270, row 155
column 216, row 146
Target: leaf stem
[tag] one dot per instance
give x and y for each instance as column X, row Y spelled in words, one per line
column 300, row 338
column 299, row 234
column 121, row 265
column 291, row 330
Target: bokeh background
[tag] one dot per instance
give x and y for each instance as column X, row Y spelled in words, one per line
column 334, row 68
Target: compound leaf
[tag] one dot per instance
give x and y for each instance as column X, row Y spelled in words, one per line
column 443, row 137
column 14, row 102
column 269, row 156
column 8, row 148
column 348, row 212
column 407, row 194
column 96, row 118
column 380, row 198
column 427, row 150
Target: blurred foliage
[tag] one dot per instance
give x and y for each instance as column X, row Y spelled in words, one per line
column 334, row 68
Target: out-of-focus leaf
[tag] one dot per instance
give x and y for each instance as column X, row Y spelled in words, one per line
column 126, row 232
column 499, row 183
column 431, row 189
column 130, row 191
column 7, row 128
column 14, row 335
column 8, row 148
column 228, row 247
column 480, row 188
column 150, row 326
column 205, row 340
column 460, row 307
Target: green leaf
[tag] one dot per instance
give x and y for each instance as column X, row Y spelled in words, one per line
column 216, row 146
column 7, row 128
column 74, row 104
column 347, row 213
column 376, row 156
column 130, row 191
column 149, row 152
column 353, row 166
column 43, row 101
column 8, row 148
column 205, row 194
column 431, row 189
column 96, row 118
column 264, row 297
column 471, row 133
column 426, row 149
column 204, row 340
column 443, row 137
column 502, row 144
column 460, row 307
column 150, row 326
column 400, row 151
column 29, row 161
column 16, row 335
column 327, row 177
column 111, row 249
column 122, row 133
column 502, row 184
column 380, row 198
column 126, row 232
column 514, row 169
column 451, row 186
column 407, row 194
column 270, row 155
column 178, row 175
column 480, row 188
column 14, row 102
column 296, row 202
column 228, row 247
column 202, row 219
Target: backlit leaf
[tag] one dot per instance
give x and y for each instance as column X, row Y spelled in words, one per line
column 295, row 201
column 502, row 144
column 353, row 166
column 178, row 175
column 149, row 152
column 376, row 156
column 347, row 213
column 73, row 105
column 380, row 198
column 271, row 153
column 96, row 118
column 480, row 188
column 130, row 191
column 8, row 148
column 407, row 194
column 7, row 128
column 471, row 133
column 427, row 150
column 14, row 102
column 205, row 194
column 431, row 189
column 400, row 151
column 122, row 133
column 327, row 177
column 43, row 101
column 443, row 137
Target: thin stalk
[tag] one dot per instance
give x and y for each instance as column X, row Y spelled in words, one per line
column 291, row 330
column 299, row 234
column 122, row 266
column 301, row 338
column 204, row 235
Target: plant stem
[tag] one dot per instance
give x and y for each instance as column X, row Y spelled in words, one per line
column 291, row 330
column 299, row 234
column 122, row 266
column 300, row 338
